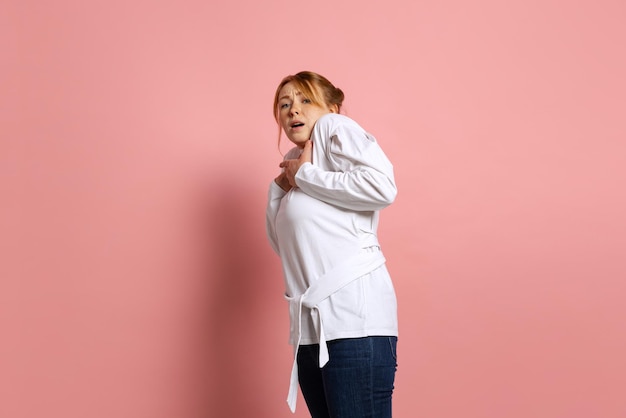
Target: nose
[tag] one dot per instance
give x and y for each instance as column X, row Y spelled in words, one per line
column 294, row 110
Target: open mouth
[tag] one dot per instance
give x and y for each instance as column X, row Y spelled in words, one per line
column 297, row 124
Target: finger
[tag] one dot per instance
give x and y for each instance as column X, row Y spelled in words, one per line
column 285, row 163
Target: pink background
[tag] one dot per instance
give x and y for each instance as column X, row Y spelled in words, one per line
column 138, row 144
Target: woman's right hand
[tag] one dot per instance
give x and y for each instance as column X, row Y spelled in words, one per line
column 283, row 182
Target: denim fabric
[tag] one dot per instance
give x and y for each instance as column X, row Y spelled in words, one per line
column 357, row 381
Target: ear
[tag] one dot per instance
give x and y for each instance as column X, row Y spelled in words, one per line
column 334, row 108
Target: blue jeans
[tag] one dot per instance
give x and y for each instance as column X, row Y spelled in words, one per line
column 357, row 381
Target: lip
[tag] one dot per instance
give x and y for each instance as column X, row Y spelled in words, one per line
column 295, row 122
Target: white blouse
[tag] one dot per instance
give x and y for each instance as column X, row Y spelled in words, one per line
column 324, row 231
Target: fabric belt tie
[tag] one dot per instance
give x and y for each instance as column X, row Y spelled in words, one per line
column 327, row 284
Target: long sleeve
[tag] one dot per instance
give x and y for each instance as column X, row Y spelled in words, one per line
column 275, row 194
column 355, row 175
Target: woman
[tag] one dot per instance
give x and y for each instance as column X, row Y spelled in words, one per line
column 322, row 217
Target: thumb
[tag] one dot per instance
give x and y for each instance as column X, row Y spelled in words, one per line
column 307, row 152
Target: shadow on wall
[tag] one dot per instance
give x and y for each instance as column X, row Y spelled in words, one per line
column 232, row 344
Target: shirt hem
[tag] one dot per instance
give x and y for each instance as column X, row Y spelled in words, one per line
column 349, row 334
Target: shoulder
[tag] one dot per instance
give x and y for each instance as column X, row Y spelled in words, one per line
column 333, row 122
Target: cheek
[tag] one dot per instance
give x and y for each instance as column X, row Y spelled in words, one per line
column 283, row 123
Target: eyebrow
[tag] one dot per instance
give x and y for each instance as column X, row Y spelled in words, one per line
column 288, row 96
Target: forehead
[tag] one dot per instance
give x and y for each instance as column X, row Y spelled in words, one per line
column 288, row 91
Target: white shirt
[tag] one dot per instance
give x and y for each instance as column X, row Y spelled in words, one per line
column 322, row 226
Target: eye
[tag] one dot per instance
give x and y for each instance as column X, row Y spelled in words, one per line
column 284, row 105
column 307, row 101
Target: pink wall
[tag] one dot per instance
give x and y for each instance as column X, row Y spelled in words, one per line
column 137, row 146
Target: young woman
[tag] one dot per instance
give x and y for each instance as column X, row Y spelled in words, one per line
column 322, row 217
